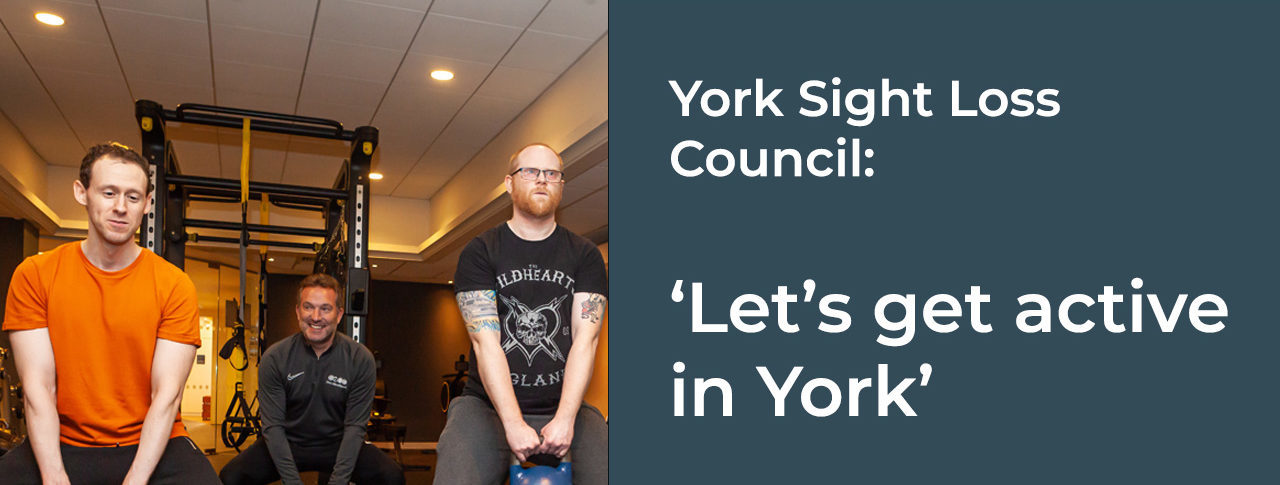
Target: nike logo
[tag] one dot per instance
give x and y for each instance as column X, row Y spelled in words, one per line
column 295, row 376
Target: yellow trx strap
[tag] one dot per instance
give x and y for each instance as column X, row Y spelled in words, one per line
column 244, row 162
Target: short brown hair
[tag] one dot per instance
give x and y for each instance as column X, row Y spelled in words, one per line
column 511, row 164
column 115, row 151
column 321, row 280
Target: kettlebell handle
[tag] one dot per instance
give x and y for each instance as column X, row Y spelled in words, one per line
column 516, row 461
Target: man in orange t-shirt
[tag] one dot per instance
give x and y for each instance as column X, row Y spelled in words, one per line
column 104, row 335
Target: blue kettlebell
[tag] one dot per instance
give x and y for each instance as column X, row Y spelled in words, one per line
column 543, row 474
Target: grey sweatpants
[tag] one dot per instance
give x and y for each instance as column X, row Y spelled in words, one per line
column 473, row 446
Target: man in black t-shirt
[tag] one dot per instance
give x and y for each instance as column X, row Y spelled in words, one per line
column 315, row 392
column 533, row 296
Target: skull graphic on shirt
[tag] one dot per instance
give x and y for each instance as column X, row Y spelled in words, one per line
column 532, row 330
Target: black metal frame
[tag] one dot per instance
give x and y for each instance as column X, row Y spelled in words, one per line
column 346, row 204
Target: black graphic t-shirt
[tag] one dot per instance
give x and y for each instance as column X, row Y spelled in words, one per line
column 535, row 282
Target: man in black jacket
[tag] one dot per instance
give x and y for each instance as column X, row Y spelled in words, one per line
column 315, row 391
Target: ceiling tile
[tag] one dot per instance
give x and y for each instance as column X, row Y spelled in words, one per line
column 312, row 170
column 248, row 46
column 460, row 38
column 515, row 13
column 393, row 161
column 26, row 103
column 263, row 80
column 191, row 132
column 478, row 121
column 540, row 51
column 350, row 116
column 43, row 127
column 345, row 91
column 255, row 101
column 585, row 19
column 69, row 55
column 320, row 146
column 170, row 95
column 416, row 111
column 467, row 75
column 293, row 17
column 167, row 68
column 353, row 61
column 411, row 5
column 193, row 10
column 197, row 158
column 482, row 118
column 366, row 24
column 196, row 147
column 84, row 23
column 423, row 180
column 515, row 84
column 447, row 158
column 160, row 35
column 97, row 115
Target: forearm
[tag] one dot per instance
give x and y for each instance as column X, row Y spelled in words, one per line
column 496, row 376
column 348, row 451
column 480, row 312
column 157, row 427
column 582, row 353
column 33, row 354
column 281, row 455
column 577, row 374
column 271, row 409
column 170, row 366
column 43, row 430
column 359, row 407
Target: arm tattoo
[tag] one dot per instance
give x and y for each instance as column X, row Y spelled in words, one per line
column 593, row 308
column 479, row 310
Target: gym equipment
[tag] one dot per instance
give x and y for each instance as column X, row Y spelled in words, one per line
column 235, row 342
column 342, row 251
column 10, row 407
column 452, row 387
column 241, row 420
column 538, row 474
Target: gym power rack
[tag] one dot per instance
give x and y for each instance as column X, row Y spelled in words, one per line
column 344, row 206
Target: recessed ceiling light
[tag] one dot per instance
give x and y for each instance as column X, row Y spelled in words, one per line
column 271, row 260
column 451, row 282
column 375, row 265
column 375, row 176
column 441, row 75
column 49, row 19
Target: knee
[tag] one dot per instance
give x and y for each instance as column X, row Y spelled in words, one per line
column 230, row 475
column 590, row 420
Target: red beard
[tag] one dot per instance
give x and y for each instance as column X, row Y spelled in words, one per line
column 536, row 206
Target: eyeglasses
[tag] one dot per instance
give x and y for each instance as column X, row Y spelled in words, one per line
column 530, row 173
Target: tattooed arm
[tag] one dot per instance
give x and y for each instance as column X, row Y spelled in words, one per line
column 588, row 313
column 480, row 312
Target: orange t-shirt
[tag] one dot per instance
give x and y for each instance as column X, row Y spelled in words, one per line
column 103, row 327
